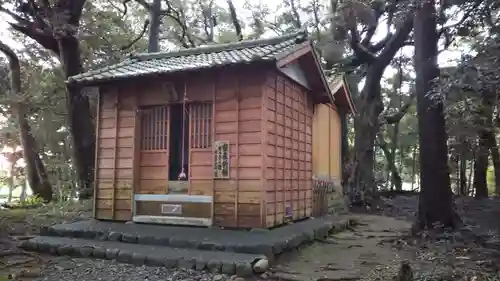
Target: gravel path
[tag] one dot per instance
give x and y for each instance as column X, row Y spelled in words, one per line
column 67, row 269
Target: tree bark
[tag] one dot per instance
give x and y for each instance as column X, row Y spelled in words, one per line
column 344, row 147
column 234, row 20
column 481, row 168
column 396, row 180
column 413, row 166
column 495, row 155
column 60, row 38
column 462, row 173
column 40, row 186
column 436, row 201
column 154, row 28
column 81, row 126
column 361, row 181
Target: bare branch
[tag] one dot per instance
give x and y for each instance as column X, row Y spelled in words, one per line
column 396, row 117
column 296, row 16
column 361, row 52
column 176, row 16
column 234, row 19
column 397, row 40
column 144, row 29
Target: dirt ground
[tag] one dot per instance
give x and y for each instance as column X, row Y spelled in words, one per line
column 348, row 255
column 376, row 248
column 372, row 250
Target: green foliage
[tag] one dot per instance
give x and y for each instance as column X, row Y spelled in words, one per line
column 32, row 201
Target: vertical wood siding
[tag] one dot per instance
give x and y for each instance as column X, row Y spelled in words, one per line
column 288, row 168
column 327, row 142
column 114, row 180
column 238, row 119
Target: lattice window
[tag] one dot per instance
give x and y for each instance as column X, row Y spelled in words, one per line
column 221, row 159
column 154, row 128
column 201, row 125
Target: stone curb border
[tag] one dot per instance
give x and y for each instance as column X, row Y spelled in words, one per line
column 276, row 245
column 241, row 269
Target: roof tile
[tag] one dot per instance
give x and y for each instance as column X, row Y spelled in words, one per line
column 192, row 59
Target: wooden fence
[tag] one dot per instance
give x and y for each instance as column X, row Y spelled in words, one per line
column 323, row 196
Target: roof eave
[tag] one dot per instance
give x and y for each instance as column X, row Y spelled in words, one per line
column 101, row 81
column 321, row 73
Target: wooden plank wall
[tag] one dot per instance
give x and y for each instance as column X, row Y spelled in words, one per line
column 115, row 154
column 200, row 88
column 289, row 112
column 153, row 152
column 327, row 155
column 238, row 119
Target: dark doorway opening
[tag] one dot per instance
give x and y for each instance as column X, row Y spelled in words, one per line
column 178, row 119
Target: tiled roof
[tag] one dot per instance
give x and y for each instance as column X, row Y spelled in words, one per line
column 195, row 58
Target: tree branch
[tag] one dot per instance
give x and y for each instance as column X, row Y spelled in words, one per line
column 296, row 17
column 234, row 19
column 361, row 52
column 176, row 16
column 144, row 29
column 42, row 37
column 396, row 41
column 396, row 117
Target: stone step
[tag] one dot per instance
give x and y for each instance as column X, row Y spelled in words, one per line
column 229, row 263
column 263, row 242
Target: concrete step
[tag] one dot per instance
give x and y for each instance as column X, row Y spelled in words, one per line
column 214, row 261
column 263, row 242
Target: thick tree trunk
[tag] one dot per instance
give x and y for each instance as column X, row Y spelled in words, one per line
column 480, row 169
column 37, row 177
column 366, row 125
column 154, row 27
column 30, row 153
column 80, row 118
column 436, row 201
column 61, row 39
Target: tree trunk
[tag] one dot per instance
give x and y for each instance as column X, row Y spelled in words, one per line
column 469, row 181
column 80, row 118
column 413, row 166
column 22, row 197
column 61, row 38
column 436, row 201
column 361, row 181
column 462, row 189
column 344, row 147
column 496, row 161
column 488, row 103
column 10, row 178
column 28, row 143
column 396, row 180
column 481, row 168
column 154, row 27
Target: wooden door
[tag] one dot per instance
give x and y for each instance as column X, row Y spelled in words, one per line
column 154, row 150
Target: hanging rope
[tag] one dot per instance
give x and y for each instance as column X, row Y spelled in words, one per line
column 182, row 175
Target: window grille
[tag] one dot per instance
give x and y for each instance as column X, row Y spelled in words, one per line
column 221, row 159
column 201, row 125
column 154, row 128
